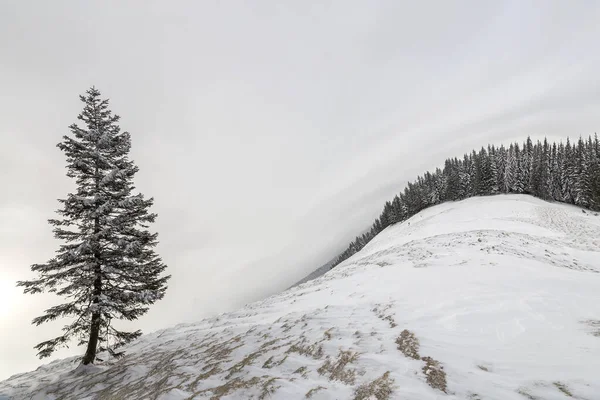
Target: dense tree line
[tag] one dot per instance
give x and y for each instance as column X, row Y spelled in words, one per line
column 568, row 173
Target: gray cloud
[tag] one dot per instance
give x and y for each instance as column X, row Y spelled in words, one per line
column 269, row 134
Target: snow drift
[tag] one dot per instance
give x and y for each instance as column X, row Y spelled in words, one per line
column 487, row 298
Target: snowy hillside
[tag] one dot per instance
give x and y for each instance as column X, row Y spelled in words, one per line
column 322, row 270
column 487, row 298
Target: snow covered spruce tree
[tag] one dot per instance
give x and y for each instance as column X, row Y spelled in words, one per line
column 106, row 268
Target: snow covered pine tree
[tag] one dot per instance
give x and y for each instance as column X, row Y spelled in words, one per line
column 107, row 268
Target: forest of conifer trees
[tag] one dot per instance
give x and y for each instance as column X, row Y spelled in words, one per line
column 568, row 173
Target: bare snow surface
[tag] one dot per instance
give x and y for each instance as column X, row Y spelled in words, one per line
column 487, row 298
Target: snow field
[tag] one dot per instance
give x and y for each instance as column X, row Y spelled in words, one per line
column 502, row 292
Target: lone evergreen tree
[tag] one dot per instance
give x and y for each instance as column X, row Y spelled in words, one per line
column 106, row 268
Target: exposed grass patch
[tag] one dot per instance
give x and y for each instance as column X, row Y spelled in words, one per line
column 314, row 350
column 300, row 370
column 269, row 343
column 525, row 393
column 391, row 321
column 335, row 369
column 408, row 344
column 220, row 351
column 270, row 363
column 381, row 314
column 563, row 388
column 327, row 334
column 380, row 389
column 595, row 325
column 268, row 388
column 434, row 371
column 313, row 391
column 303, row 371
column 248, row 360
column 232, row 386
column 209, row 371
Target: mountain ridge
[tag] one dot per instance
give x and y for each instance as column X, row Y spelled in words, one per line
column 486, row 298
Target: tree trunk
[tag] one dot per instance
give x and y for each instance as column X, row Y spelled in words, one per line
column 92, row 346
column 90, row 353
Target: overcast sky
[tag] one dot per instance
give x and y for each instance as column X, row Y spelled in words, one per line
column 269, row 133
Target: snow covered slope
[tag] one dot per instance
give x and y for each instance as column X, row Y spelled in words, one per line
column 322, row 270
column 487, row 298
